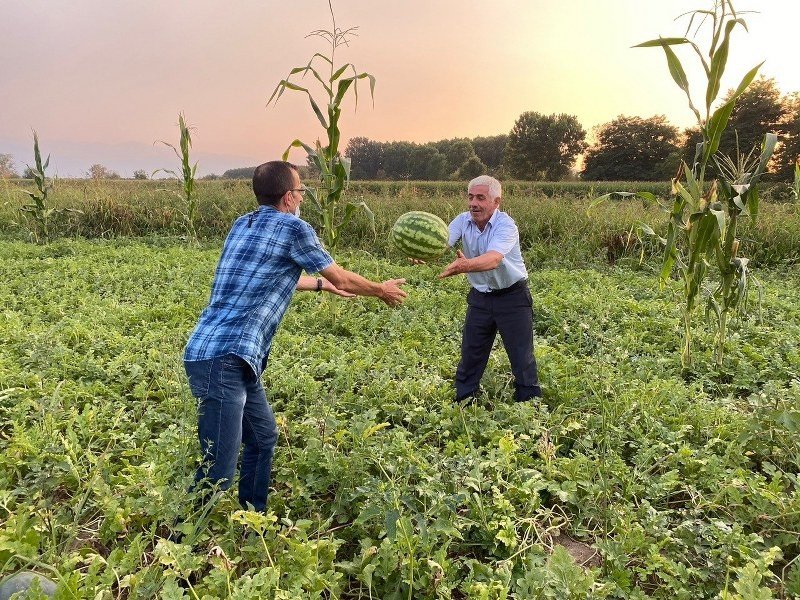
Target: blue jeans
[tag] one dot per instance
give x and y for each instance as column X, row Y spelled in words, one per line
column 233, row 410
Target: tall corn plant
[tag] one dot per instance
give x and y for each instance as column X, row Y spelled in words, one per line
column 703, row 219
column 326, row 200
column 186, row 177
column 39, row 211
column 795, row 186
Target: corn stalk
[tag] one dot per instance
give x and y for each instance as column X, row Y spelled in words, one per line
column 186, row 177
column 703, row 218
column 795, row 186
column 326, row 199
column 38, row 211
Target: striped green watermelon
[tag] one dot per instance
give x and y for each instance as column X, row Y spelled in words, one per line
column 421, row 235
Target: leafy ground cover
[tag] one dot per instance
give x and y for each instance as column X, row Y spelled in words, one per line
column 675, row 485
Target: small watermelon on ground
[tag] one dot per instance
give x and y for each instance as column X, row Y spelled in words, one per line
column 420, row 235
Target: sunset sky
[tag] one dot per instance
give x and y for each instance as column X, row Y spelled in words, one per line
column 101, row 80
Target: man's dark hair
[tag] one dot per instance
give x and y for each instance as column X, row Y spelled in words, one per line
column 272, row 180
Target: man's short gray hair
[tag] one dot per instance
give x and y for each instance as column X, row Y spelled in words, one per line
column 495, row 189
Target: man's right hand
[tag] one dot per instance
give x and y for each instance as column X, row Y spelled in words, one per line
column 392, row 294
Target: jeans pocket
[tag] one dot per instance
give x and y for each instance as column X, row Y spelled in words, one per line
column 199, row 373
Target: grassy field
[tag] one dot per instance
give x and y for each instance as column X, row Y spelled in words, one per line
column 553, row 217
column 632, row 479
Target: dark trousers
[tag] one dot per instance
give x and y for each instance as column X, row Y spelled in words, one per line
column 511, row 313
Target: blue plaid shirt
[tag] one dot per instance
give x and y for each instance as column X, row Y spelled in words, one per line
column 262, row 259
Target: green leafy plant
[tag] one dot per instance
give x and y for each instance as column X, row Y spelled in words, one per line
column 186, row 177
column 39, row 211
column 795, row 186
column 703, row 219
column 333, row 167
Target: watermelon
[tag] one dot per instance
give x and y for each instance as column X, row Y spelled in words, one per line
column 420, row 235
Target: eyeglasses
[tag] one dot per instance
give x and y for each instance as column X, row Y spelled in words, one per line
column 302, row 189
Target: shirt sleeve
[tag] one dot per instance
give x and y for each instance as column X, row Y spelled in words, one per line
column 456, row 229
column 306, row 250
column 505, row 237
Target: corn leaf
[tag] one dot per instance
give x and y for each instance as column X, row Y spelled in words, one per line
column 663, row 42
column 718, row 62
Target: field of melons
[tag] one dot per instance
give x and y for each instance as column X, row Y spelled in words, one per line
column 631, row 479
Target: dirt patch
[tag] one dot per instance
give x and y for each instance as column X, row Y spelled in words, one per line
column 582, row 553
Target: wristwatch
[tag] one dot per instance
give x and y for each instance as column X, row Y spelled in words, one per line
column 319, row 284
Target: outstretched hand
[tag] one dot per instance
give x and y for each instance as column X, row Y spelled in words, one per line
column 392, row 294
column 459, row 265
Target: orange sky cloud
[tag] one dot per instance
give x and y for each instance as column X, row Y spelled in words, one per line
column 100, row 81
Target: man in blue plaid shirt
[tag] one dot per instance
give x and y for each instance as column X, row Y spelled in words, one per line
column 259, row 270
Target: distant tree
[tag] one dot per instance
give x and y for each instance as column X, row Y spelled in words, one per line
column 490, row 150
column 543, row 146
column 761, row 109
column 633, row 149
column 690, row 138
column 98, row 171
column 471, row 168
column 366, row 158
column 27, row 173
column 140, row 174
column 456, row 151
column 396, row 157
column 789, row 150
column 210, row 177
column 427, row 163
column 239, row 173
column 7, row 167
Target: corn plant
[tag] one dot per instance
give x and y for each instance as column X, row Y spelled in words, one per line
column 795, row 186
column 326, row 200
column 186, row 177
column 703, row 218
column 39, row 211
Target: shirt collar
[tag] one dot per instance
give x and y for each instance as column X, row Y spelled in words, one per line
column 491, row 220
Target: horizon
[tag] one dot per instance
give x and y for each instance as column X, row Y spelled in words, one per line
column 102, row 83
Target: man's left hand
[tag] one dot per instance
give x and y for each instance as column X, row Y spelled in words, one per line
column 459, row 265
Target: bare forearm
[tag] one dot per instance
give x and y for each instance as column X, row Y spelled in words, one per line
column 355, row 283
column 306, row 284
column 484, row 262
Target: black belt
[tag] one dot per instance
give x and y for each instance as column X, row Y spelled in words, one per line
column 522, row 283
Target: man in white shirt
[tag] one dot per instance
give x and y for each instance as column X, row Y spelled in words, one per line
column 499, row 299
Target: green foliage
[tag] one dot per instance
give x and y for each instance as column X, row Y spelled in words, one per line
column 446, row 159
column 795, row 188
column 543, row 147
column 98, row 171
column 759, row 110
column 789, row 152
column 140, row 174
column 186, row 177
column 7, row 170
column 633, row 149
column 703, row 220
column 382, row 486
column 241, row 173
column 551, row 216
column 334, row 168
column 38, row 212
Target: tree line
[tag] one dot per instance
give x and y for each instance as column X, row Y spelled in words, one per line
column 546, row 147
